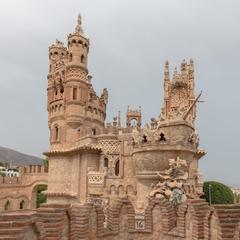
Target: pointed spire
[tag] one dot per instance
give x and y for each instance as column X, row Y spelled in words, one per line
column 175, row 73
column 191, row 70
column 191, row 65
column 78, row 28
column 119, row 119
column 183, row 66
column 166, row 71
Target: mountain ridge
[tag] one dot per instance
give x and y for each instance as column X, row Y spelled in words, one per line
column 17, row 158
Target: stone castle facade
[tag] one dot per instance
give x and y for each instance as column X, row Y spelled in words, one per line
column 91, row 161
column 106, row 181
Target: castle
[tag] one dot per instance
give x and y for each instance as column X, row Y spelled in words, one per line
column 106, row 181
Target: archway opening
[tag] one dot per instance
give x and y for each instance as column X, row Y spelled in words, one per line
column 117, row 168
column 7, row 205
column 133, row 122
column 22, row 204
column 38, row 196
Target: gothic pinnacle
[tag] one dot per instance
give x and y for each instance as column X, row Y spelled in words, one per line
column 166, row 71
column 78, row 28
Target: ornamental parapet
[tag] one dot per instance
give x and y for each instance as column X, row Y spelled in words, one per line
column 96, row 183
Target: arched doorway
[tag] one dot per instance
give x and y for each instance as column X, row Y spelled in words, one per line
column 37, row 196
column 7, row 205
column 22, row 204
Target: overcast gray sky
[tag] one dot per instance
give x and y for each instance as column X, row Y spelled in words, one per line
column 130, row 41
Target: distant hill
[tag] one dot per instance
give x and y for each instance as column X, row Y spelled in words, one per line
column 16, row 158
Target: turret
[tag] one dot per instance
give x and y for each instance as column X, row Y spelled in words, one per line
column 78, row 46
column 179, row 93
column 74, row 108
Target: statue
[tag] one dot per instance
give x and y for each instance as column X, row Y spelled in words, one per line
column 171, row 182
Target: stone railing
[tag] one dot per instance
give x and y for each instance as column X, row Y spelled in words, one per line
column 96, row 183
column 96, row 178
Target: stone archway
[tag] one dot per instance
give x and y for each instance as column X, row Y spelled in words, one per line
column 37, row 197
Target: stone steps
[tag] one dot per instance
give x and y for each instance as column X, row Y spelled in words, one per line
column 229, row 218
column 52, row 218
column 11, row 231
column 6, row 237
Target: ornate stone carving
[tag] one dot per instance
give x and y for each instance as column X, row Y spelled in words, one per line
column 104, row 96
column 194, row 139
column 171, row 182
column 95, row 178
column 109, row 147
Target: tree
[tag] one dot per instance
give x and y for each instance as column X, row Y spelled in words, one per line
column 41, row 198
column 46, row 162
column 218, row 192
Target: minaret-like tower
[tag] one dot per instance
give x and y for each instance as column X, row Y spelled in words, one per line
column 75, row 113
column 179, row 93
column 73, row 106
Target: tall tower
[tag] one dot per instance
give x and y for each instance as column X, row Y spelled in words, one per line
column 75, row 113
column 73, row 106
column 179, row 93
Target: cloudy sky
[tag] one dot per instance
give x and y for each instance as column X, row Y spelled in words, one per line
column 130, row 41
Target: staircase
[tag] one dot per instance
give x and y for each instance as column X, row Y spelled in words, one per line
column 54, row 221
column 229, row 218
column 15, row 225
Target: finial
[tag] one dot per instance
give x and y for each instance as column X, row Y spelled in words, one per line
column 166, row 72
column 119, row 119
column 175, row 71
column 78, row 28
column 183, row 65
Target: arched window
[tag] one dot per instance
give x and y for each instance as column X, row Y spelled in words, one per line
column 94, row 132
column 7, row 205
column 22, row 204
column 144, row 139
column 82, row 59
column 162, row 137
column 56, row 133
column 105, row 164
column 74, row 93
column 70, row 57
column 133, row 122
column 79, row 132
column 117, row 168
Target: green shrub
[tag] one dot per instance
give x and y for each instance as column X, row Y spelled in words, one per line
column 220, row 193
column 41, row 198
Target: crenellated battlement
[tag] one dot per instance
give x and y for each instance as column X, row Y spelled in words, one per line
column 9, row 180
column 33, row 171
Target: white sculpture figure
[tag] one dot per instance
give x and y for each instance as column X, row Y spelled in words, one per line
column 171, row 182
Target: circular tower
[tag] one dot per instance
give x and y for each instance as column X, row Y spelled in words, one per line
column 73, row 106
